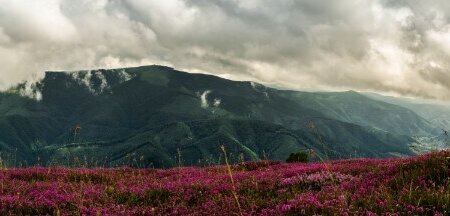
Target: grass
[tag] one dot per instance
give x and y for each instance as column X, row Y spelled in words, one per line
column 403, row 186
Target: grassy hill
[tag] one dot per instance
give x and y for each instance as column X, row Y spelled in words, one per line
column 161, row 114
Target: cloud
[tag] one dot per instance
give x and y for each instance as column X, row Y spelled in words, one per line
column 95, row 81
column 204, row 103
column 217, row 102
column 204, row 99
column 392, row 46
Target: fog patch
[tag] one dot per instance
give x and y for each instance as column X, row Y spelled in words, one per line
column 260, row 88
column 83, row 78
column 204, row 103
column 204, row 99
column 217, row 102
column 124, row 76
column 30, row 90
column 88, row 80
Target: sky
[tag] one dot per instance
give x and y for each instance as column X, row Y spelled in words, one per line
column 397, row 47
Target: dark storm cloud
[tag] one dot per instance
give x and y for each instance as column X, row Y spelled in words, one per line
column 400, row 47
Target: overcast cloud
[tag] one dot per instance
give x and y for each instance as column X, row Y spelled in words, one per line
column 391, row 46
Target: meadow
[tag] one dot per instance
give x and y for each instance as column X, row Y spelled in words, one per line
column 403, row 186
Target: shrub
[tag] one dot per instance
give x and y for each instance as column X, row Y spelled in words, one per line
column 301, row 156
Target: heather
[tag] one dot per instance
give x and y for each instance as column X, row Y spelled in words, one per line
column 402, row 186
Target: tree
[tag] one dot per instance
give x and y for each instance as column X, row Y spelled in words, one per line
column 301, row 156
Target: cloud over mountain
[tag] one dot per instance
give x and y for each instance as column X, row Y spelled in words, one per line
column 394, row 46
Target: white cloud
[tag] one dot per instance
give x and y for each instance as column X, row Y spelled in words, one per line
column 204, row 99
column 29, row 90
column 35, row 20
column 367, row 45
column 86, row 79
column 217, row 102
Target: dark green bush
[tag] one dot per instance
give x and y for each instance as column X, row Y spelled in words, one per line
column 301, row 156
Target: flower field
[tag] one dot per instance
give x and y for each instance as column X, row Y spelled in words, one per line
column 411, row 186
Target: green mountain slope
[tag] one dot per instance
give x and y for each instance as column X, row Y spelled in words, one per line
column 438, row 113
column 155, row 115
column 198, row 143
column 358, row 109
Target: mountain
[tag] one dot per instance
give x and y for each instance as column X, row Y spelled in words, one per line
column 161, row 117
column 198, row 143
column 437, row 113
column 356, row 108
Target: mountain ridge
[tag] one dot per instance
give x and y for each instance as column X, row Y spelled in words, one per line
column 112, row 106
